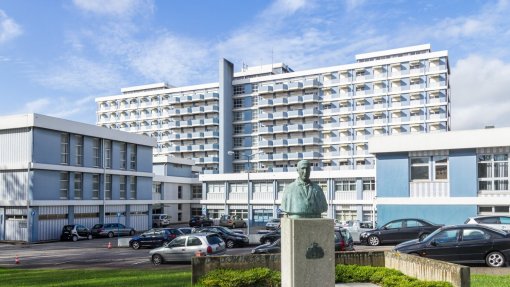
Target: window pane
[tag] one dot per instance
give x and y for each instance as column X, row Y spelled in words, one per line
column 441, row 172
column 419, row 172
column 484, row 170
column 501, row 208
column 500, row 169
column 418, row 160
column 485, row 185
column 501, row 185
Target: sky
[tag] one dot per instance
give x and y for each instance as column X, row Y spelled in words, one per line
column 57, row 56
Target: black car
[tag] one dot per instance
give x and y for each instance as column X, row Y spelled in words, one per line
column 274, row 247
column 232, row 239
column 154, row 238
column 270, row 237
column 200, row 221
column 398, row 231
column 75, row 232
column 343, row 240
column 468, row 243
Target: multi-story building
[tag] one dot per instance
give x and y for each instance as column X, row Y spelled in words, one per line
column 265, row 119
column 443, row 177
column 56, row 172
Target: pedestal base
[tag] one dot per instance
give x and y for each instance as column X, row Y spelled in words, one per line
column 307, row 252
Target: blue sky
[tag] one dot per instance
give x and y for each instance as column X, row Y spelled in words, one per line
column 57, row 56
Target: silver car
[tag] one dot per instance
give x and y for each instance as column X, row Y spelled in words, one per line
column 184, row 247
column 494, row 221
column 111, row 229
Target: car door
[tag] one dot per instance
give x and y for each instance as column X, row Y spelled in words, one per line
column 505, row 223
column 82, row 231
column 146, row 239
column 411, row 230
column 443, row 246
column 474, row 244
column 176, row 250
column 391, row 231
column 193, row 245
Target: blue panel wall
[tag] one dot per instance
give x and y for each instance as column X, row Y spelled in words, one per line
column 392, row 175
column 440, row 214
column 463, row 173
column 45, row 185
column 226, row 91
column 144, row 158
column 144, row 185
column 88, row 156
column 46, row 146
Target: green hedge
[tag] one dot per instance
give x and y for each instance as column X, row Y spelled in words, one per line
column 264, row 277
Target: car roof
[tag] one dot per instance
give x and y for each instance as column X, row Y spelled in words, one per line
column 486, row 216
column 474, row 226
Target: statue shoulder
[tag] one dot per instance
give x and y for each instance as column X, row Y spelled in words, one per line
column 293, row 185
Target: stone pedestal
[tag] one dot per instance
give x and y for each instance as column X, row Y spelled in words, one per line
column 307, row 252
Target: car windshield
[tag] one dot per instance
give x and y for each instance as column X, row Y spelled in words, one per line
column 68, row 227
column 213, row 239
column 227, row 231
column 98, row 226
column 163, row 216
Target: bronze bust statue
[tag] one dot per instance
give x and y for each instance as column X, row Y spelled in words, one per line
column 303, row 198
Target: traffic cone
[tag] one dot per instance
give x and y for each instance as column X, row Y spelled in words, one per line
column 17, row 259
column 109, row 245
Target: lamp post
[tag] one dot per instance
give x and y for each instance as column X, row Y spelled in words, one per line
column 248, row 157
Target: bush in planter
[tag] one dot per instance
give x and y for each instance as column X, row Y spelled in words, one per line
column 256, row 277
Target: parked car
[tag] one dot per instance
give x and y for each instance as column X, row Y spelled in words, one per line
column 184, row 247
column 154, row 238
column 273, row 224
column 231, row 238
column 199, row 221
column 397, row 231
column 75, row 232
column 343, row 240
column 495, row 221
column 270, row 237
column 232, row 221
column 111, row 229
column 274, row 247
column 356, row 227
column 186, row 230
column 469, row 243
column 160, row 220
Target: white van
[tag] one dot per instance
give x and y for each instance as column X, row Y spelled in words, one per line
column 160, row 220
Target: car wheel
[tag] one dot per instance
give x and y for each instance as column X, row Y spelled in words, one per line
column 233, row 225
column 267, row 241
column 110, row 234
column 157, row 259
column 495, row 259
column 230, row 244
column 423, row 236
column 89, row 237
column 373, row 240
column 135, row 245
column 75, row 238
column 132, row 232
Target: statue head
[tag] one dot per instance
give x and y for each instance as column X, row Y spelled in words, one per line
column 303, row 169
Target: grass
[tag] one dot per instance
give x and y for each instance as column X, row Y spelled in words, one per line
column 94, row 277
column 490, row 280
column 16, row 277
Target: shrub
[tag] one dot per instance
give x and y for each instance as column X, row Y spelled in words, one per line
column 256, row 277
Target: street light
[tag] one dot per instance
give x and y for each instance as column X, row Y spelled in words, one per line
column 248, row 157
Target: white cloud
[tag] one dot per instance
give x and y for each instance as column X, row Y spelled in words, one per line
column 118, row 8
column 480, row 93
column 9, row 29
column 353, row 4
column 75, row 73
column 82, row 109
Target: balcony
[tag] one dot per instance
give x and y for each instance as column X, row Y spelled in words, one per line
column 265, row 117
column 209, row 122
column 311, row 141
column 211, row 96
column 295, row 86
column 311, row 155
column 265, row 130
column 265, row 157
column 294, row 100
column 279, row 143
column 311, row 113
column 280, row 88
column 212, row 159
column 211, row 134
column 294, row 142
column 280, row 129
column 311, row 126
column 198, row 97
column 211, row 109
column 279, row 156
column 265, row 103
column 279, row 101
column 294, row 156
column 311, row 84
column 279, row 115
column 265, row 144
column 309, row 98
column 294, row 114
column 294, row 128
column 265, row 89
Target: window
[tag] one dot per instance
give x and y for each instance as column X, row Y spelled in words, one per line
column 78, row 186
column 239, row 188
column 254, row 88
column 108, row 153
column 196, row 211
column 238, row 142
column 420, row 168
column 179, row 216
column 96, row 152
column 132, row 156
column 238, row 129
column 440, row 167
column 369, row 184
column 122, row 186
column 108, row 187
column 238, row 116
column 179, row 206
column 345, row 185
column 64, row 185
column 132, row 188
column 493, row 172
column 263, row 187
column 238, row 103
column 79, row 149
column 196, row 192
column 216, row 188
column 254, row 128
column 123, row 155
column 95, row 186
column 179, row 192
column 423, row 168
column 156, row 188
column 238, row 89
column 194, row 241
column 64, row 148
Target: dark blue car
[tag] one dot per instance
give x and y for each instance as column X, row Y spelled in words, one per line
column 155, row 237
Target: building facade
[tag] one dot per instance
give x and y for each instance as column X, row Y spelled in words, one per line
column 256, row 124
column 442, row 177
column 56, row 172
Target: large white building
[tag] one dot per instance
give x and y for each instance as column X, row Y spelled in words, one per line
column 265, row 119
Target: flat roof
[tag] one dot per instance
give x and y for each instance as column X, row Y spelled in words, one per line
column 451, row 140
